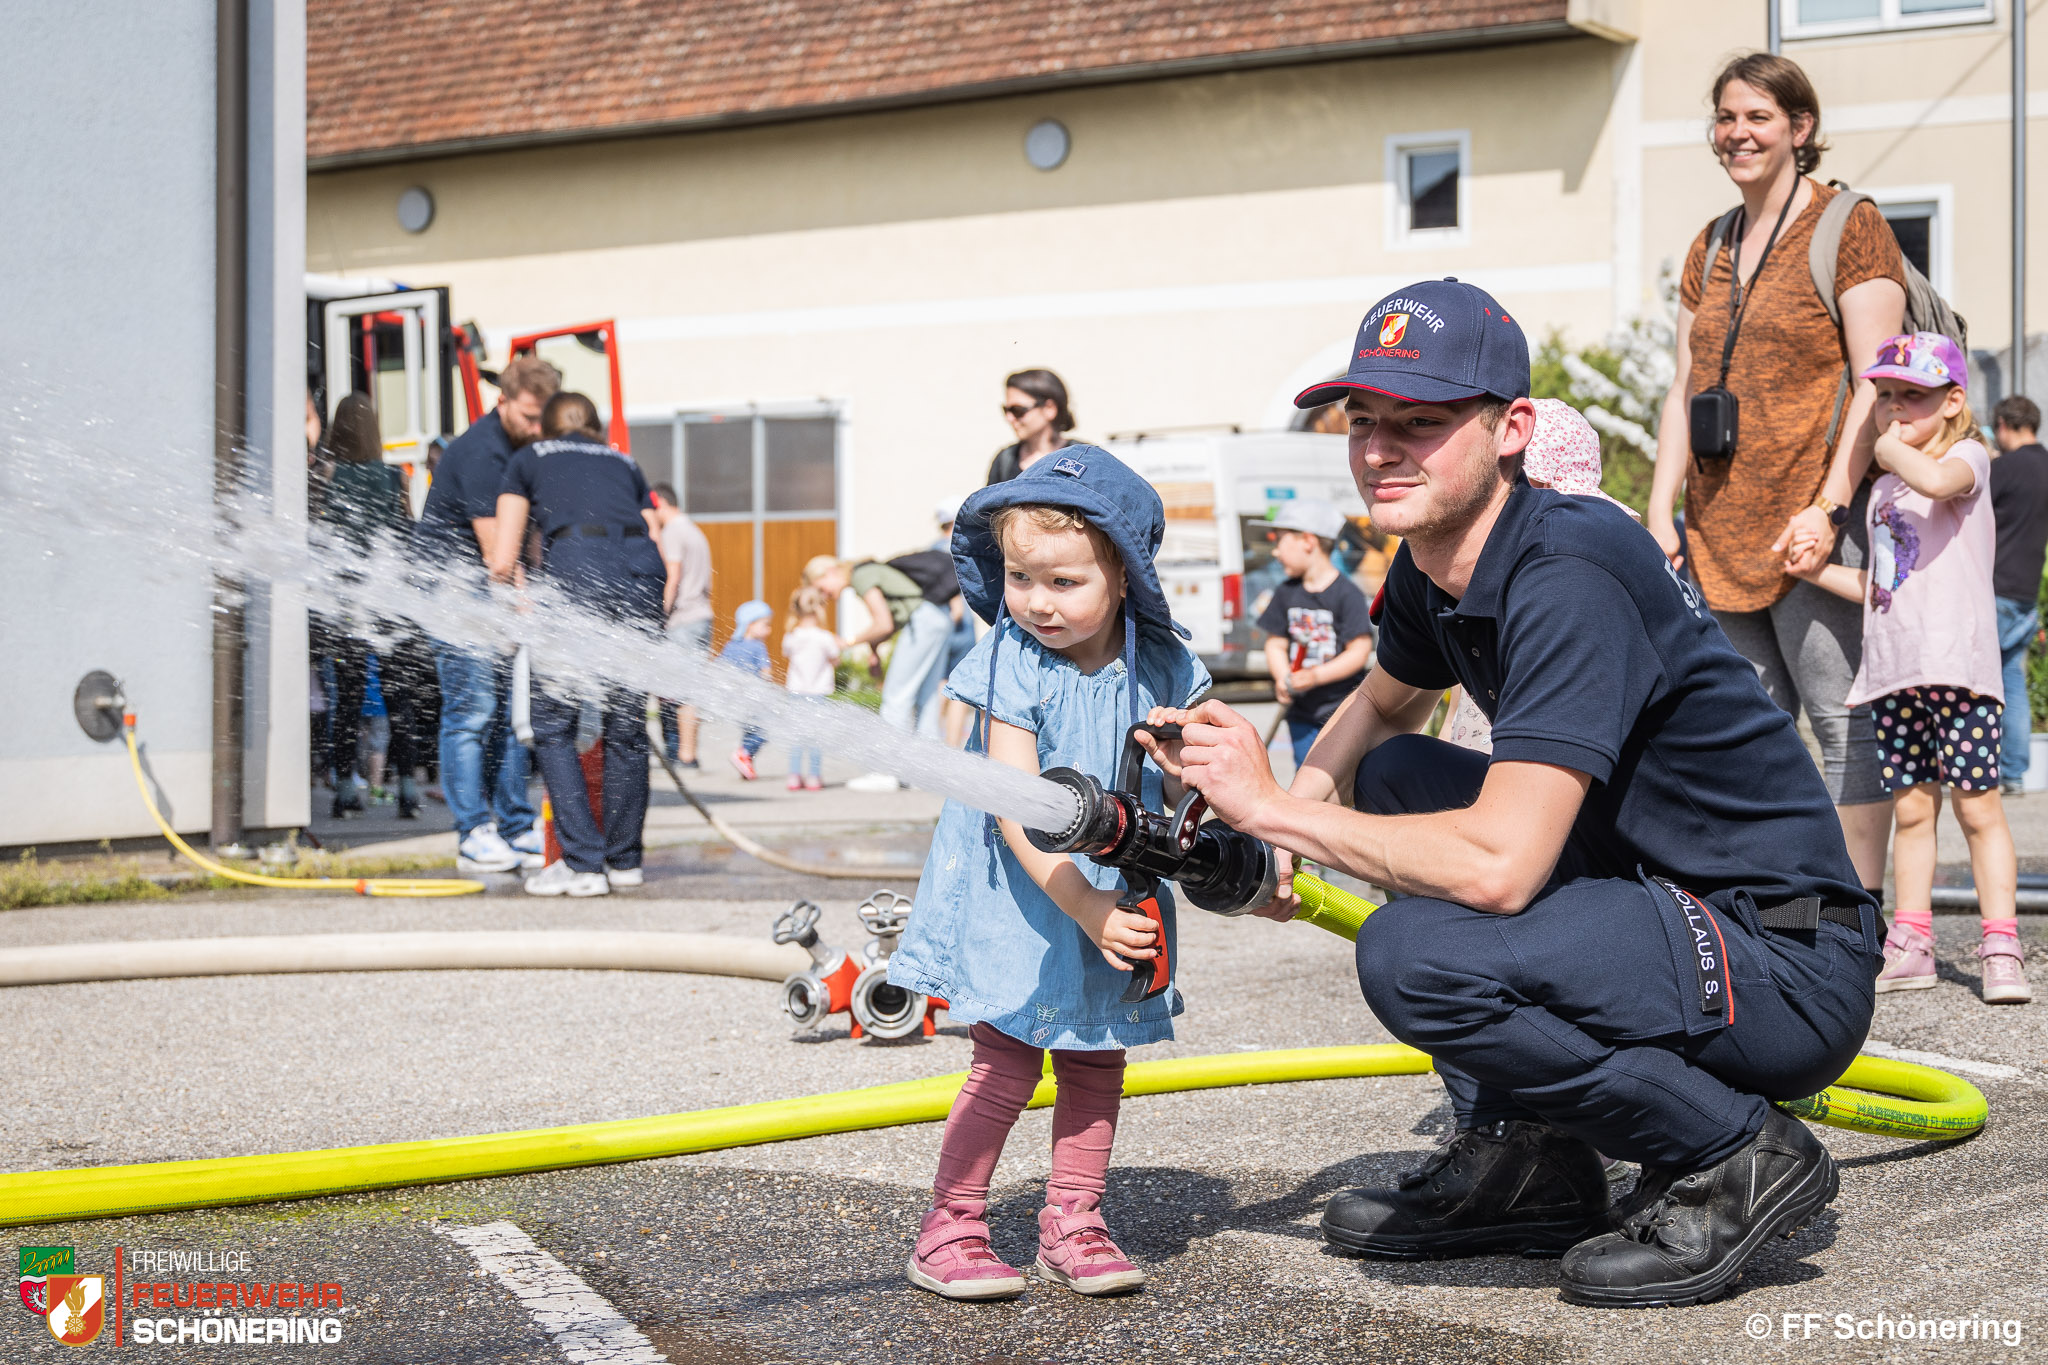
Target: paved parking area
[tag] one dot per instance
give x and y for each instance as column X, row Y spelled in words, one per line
column 794, row 1251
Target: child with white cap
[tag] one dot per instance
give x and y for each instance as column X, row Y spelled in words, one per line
column 1318, row 624
column 1564, row 454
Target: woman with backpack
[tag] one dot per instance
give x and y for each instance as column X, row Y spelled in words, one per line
column 1772, row 443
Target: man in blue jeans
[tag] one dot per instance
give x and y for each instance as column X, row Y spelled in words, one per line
column 2019, row 499
column 483, row 764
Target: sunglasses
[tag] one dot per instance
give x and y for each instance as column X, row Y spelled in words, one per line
column 1015, row 411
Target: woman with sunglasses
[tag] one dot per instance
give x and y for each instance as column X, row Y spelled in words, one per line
column 1035, row 404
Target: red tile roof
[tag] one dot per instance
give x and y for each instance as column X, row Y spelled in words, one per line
column 388, row 79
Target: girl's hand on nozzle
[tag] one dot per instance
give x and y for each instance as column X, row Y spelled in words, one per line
column 1166, row 753
column 1123, row 936
column 1224, row 758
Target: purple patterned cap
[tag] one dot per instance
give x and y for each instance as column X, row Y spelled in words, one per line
column 1928, row 359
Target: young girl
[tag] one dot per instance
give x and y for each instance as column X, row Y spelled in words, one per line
column 1029, row 947
column 1930, row 654
column 809, row 652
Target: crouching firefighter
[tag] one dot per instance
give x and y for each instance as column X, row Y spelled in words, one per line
column 1630, row 928
column 589, row 501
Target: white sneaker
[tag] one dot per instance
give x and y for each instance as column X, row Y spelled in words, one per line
column 533, row 849
column 622, row 877
column 874, row 782
column 560, row 879
column 482, row 850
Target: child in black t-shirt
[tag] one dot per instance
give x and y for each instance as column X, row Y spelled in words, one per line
column 1319, row 634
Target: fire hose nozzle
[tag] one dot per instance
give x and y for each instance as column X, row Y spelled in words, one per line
column 1220, row 869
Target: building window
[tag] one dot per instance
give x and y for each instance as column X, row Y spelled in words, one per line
column 763, row 486
column 1833, row 18
column 1919, row 216
column 1427, row 172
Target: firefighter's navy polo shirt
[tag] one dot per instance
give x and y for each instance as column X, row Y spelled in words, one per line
column 1586, row 651
column 586, row 498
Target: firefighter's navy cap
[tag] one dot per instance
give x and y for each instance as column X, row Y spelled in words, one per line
column 1433, row 342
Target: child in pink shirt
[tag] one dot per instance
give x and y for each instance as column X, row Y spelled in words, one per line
column 1930, row 665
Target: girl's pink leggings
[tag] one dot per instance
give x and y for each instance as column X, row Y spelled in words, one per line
column 999, row 1085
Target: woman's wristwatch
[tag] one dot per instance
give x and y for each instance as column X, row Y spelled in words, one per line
column 1838, row 515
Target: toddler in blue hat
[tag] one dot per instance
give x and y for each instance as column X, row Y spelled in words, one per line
column 747, row 649
column 1027, row 947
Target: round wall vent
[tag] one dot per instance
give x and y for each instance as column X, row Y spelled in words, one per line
column 1047, row 144
column 415, row 209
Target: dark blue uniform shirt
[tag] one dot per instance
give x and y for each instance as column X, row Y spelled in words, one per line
column 586, row 499
column 465, row 487
column 1587, row 651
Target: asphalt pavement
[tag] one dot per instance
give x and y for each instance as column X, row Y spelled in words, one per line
column 794, row 1251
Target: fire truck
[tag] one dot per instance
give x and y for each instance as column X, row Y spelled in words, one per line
column 400, row 345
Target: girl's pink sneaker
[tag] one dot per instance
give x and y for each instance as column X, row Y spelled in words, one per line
column 2005, row 971
column 1074, row 1249
column 796, row 784
column 812, row 784
column 953, row 1259
column 1908, row 961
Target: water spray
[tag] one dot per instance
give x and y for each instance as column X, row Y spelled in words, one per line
column 98, row 495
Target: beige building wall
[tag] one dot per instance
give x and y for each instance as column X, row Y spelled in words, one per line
column 1205, row 251
column 1912, row 114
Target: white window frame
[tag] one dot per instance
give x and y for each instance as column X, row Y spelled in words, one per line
column 680, row 414
column 1400, row 237
column 1889, row 19
column 1941, row 233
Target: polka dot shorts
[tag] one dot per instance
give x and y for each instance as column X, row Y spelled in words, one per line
column 1938, row 734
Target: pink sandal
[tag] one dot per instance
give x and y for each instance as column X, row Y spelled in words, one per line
column 1074, row 1249
column 953, row 1259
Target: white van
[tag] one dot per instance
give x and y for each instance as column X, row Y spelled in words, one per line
column 1216, row 563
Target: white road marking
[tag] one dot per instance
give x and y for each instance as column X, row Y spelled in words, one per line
column 584, row 1326
column 1996, row 1071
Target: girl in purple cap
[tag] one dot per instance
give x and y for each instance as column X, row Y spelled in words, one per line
column 1930, row 654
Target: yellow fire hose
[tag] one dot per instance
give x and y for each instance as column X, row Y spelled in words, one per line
column 362, row 886
column 1908, row 1101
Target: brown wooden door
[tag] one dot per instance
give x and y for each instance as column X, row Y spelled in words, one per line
column 786, row 546
column 732, row 573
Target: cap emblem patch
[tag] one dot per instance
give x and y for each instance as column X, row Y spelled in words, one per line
column 1393, row 328
column 1071, row 467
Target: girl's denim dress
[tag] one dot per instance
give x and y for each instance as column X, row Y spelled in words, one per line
column 982, row 934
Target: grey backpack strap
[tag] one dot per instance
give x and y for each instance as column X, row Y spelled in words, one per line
column 1822, row 257
column 1825, row 253
column 1715, row 237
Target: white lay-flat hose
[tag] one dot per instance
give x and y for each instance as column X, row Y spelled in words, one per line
column 521, row 949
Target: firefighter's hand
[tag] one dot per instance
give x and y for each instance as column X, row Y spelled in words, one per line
column 1222, row 757
column 1285, row 903
column 1122, row 936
